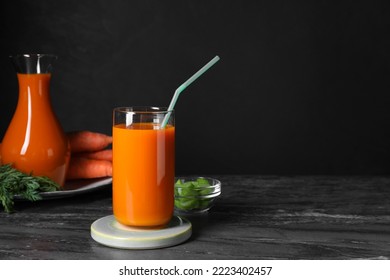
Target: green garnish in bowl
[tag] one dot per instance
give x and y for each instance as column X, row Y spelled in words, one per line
column 194, row 195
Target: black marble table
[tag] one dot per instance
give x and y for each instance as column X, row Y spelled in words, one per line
column 256, row 217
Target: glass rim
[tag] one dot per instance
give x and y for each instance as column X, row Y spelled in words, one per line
column 142, row 110
column 33, row 55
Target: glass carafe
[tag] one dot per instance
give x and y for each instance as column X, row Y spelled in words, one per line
column 35, row 141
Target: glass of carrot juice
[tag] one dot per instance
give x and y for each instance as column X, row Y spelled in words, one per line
column 143, row 166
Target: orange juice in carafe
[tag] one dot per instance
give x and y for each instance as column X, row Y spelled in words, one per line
column 35, row 141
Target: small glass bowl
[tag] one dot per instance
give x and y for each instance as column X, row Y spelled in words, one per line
column 195, row 194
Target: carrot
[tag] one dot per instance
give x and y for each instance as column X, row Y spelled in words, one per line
column 84, row 168
column 99, row 155
column 88, row 141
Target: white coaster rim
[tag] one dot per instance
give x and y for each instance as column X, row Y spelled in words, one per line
column 107, row 231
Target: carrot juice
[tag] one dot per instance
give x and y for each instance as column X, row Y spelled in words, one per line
column 143, row 173
column 34, row 141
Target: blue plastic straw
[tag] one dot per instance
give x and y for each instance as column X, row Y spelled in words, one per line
column 184, row 86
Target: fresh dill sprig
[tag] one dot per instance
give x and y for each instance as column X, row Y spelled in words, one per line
column 14, row 182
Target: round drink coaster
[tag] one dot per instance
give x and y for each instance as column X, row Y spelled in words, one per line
column 109, row 232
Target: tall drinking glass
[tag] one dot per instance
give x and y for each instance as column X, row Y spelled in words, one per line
column 143, row 166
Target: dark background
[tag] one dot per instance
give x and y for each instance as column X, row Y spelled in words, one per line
column 302, row 87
